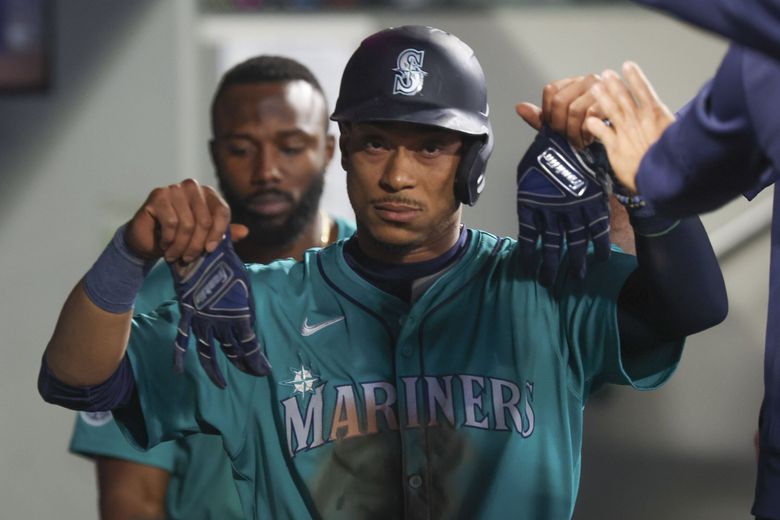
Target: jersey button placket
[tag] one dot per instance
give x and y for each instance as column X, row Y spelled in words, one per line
column 407, row 350
column 413, row 434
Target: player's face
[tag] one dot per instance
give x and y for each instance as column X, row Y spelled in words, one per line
column 400, row 179
column 270, row 150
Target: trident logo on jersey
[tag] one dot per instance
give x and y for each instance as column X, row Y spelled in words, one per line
column 409, row 75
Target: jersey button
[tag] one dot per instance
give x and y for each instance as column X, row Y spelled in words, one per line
column 415, row 481
column 406, row 351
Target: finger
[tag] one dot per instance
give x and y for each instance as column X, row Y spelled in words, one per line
column 548, row 95
column 528, row 233
column 579, row 111
column 559, row 105
column 552, row 239
column 202, row 220
column 238, row 232
column 220, row 215
column 605, row 99
column 569, row 97
column 207, row 355
column 620, row 94
column 185, row 223
column 640, row 86
column 182, row 339
column 600, row 130
column 250, row 349
column 158, row 211
column 598, row 229
column 593, row 111
column 577, row 244
column 230, row 346
column 530, row 113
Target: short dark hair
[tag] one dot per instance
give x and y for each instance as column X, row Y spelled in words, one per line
column 267, row 69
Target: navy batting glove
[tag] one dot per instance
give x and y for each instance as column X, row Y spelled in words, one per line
column 215, row 300
column 560, row 197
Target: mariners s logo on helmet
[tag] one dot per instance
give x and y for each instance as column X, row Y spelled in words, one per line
column 409, row 74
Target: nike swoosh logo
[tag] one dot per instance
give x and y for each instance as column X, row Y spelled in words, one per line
column 308, row 330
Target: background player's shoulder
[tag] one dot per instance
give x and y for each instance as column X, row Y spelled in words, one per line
column 280, row 276
column 490, row 243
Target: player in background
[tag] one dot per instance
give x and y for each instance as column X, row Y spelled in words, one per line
column 441, row 379
column 724, row 143
column 270, row 147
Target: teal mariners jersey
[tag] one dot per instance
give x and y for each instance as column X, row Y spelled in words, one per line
column 201, row 484
column 467, row 403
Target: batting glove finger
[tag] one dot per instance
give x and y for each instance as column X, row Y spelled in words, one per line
column 253, row 357
column 528, row 233
column 182, row 339
column 552, row 240
column 207, row 355
column 598, row 229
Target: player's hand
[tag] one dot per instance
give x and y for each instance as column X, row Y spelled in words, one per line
column 566, row 104
column 560, row 196
column 215, row 300
column 180, row 222
column 636, row 119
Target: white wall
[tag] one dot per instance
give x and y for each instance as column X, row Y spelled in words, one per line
column 129, row 111
column 74, row 163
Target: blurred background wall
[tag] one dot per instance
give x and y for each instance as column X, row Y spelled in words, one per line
column 127, row 109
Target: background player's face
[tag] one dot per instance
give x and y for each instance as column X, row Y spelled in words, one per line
column 270, row 150
column 400, row 179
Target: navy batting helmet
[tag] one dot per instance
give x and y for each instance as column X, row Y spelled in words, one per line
column 417, row 74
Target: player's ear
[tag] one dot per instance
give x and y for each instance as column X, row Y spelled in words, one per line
column 330, row 148
column 213, row 151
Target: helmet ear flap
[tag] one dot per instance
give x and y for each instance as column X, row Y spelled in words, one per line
column 470, row 177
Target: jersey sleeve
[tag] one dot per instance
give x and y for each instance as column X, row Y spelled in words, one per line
column 752, row 23
column 345, row 228
column 96, row 434
column 168, row 405
column 589, row 324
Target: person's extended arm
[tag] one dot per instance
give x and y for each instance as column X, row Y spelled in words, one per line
column 676, row 290
column 753, row 23
column 131, row 491
column 88, row 344
column 694, row 164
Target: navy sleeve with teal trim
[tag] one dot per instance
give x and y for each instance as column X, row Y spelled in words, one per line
column 713, row 152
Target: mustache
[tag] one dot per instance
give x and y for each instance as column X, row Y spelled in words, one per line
column 397, row 199
column 271, row 193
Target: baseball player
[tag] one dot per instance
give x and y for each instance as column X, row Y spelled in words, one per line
column 270, row 148
column 416, row 370
column 724, row 143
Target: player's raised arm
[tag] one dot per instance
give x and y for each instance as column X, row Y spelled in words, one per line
column 678, row 288
column 178, row 222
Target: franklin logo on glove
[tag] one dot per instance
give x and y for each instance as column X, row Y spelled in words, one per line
column 555, row 165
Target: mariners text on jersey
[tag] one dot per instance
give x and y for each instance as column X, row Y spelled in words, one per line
column 481, row 402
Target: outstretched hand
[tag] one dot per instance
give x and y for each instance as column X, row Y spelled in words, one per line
column 180, row 222
column 631, row 119
column 189, row 225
